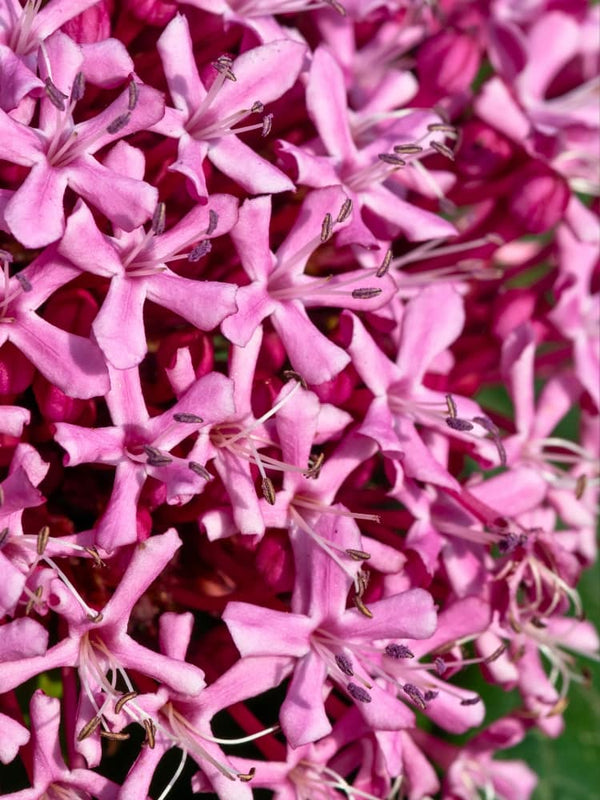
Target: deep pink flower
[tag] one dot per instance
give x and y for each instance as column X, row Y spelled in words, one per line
column 204, row 117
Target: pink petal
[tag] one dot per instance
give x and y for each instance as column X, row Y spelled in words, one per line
column 35, row 212
column 263, row 73
column 415, row 223
column 306, row 231
column 190, row 158
column 119, row 325
column 240, row 163
column 553, row 41
column 259, row 631
column 311, row 353
column 72, row 363
column 147, row 562
column 518, row 354
column 126, row 202
column 86, row 247
column 106, row 63
column 433, row 320
column 203, row 303
column 328, row 106
column 12, row 737
column 176, row 52
column 410, row 615
column 118, row 524
column 253, row 305
column 302, row 713
column 175, row 631
column 251, row 238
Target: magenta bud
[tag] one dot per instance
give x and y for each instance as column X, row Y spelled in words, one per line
column 448, row 62
column 92, row 25
column 483, row 152
column 539, row 199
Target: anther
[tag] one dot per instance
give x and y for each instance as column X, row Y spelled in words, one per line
column 134, row 94
column 385, row 265
column 78, row 88
column 185, row 417
column 35, row 598
column 440, row 666
column 365, row 293
column 213, row 221
column 487, row 423
column 125, row 698
column 398, row 651
column 97, row 618
column 580, row 486
column 150, row 727
column 118, row 123
column 326, row 227
column 156, row 458
column 24, row 281
column 458, row 424
column 88, row 729
column 117, row 737
column 268, row 491
column 3, row 536
column 363, row 581
column 223, row 66
column 292, row 375
column 441, row 126
column 495, row 655
column 98, row 562
column 257, row 107
column 392, row 158
column 53, row 93
column 337, row 6
column 314, row 466
column 202, row 249
column 451, row 406
column 408, row 149
column 42, row 540
column 508, row 543
column 267, row 124
column 245, row 777
column 443, row 150
column 471, row 701
column 344, row 664
column 200, row 470
column 538, row 623
column 358, row 555
column 345, row 210
column 416, row 695
column 159, row 218
column 366, row 612
column 358, row 693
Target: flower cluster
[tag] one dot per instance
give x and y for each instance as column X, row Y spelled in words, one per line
column 299, row 369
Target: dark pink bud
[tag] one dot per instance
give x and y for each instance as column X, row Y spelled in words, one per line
column 92, row 25
column 73, row 310
column 483, row 152
column 16, row 372
column 56, row 406
column 153, row 12
column 539, row 198
column 448, row 62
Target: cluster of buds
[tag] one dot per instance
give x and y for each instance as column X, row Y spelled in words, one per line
column 300, row 383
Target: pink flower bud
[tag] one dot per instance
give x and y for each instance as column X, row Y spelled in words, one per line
column 92, row 25
column 539, row 199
